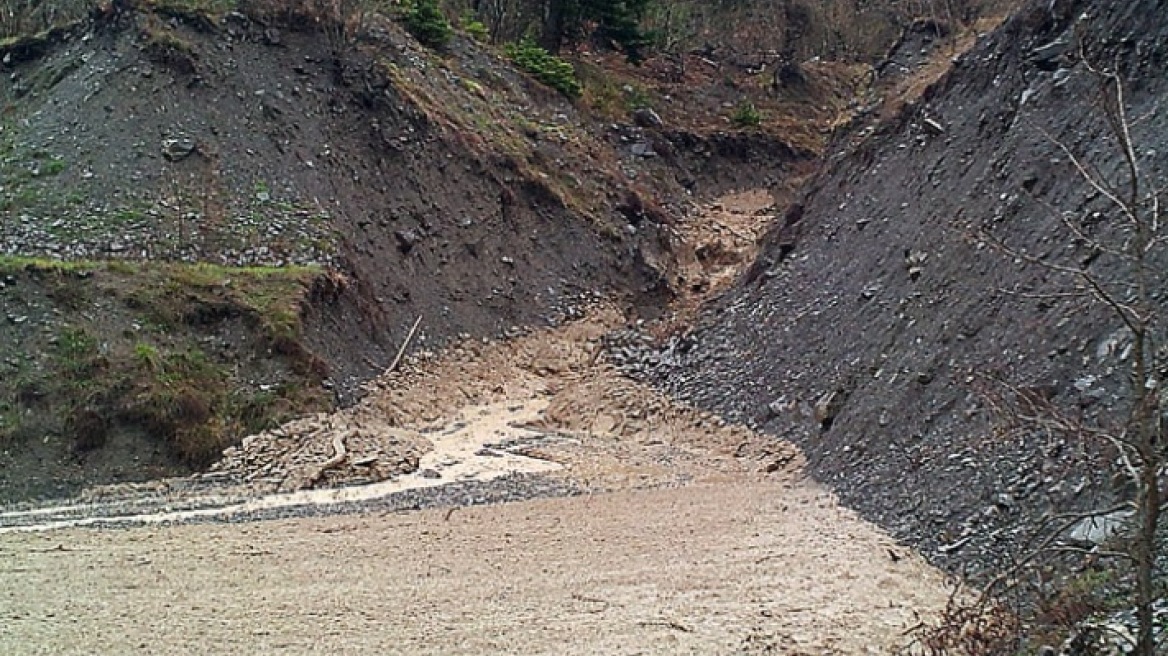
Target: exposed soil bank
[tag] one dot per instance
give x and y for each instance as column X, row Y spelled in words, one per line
column 870, row 326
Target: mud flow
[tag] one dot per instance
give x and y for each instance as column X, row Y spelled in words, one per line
column 518, row 496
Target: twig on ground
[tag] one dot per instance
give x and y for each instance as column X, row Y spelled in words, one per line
column 402, row 351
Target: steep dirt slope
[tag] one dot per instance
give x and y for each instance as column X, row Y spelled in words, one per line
column 242, row 142
column 866, row 327
column 442, row 185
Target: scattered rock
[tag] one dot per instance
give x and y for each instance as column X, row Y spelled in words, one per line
column 406, row 240
column 914, row 261
column 827, row 408
column 323, row 451
column 1101, row 528
column 645, row 117
column 642, row 149
column 178, row 148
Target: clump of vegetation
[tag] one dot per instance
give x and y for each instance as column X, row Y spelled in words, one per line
column 746, row 115
column 428, row 24
column 168, row 371
column 475, row 28
column 609, row 95
column 52, row 167
column 545, row 67
column 636, row 98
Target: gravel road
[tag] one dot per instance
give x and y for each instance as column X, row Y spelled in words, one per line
column 762, row 567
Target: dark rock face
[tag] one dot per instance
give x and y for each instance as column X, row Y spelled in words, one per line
column 882, row 300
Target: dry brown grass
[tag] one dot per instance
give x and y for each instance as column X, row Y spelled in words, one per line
column 907, row 91
column 151, row 368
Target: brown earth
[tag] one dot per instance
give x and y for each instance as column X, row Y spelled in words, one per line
column 681, row 533
column 703, row 569
column 447, row 186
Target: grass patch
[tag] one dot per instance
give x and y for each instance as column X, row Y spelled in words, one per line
column 609, row 96
column 52, row 167
column 746, row 115
column 10, row 264
column 175, row 352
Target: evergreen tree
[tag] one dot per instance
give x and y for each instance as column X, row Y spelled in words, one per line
column 615, row 23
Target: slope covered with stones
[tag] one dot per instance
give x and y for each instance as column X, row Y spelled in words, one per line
column 872, row 325
column 243, row 142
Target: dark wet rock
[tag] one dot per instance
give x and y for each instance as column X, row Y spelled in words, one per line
column 645, row 117
column 177, row 148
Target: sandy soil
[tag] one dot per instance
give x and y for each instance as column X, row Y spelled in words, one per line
column 703, row 569
column 693, row 536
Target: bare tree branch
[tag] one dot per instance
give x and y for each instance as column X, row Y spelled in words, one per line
column 1128, row 314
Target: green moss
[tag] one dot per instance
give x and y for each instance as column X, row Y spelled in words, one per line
column 52, row 167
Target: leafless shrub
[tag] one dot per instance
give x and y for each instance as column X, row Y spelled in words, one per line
column 1124, row 275
column 970, row 625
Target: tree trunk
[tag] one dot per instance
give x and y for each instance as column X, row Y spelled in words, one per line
column 554, row 25
column 1149, row 509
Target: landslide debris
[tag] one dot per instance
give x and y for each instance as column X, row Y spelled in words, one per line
column 442, row 185
column 466, row 413
column 446, row 186
column 162, row 140
column 871, row 328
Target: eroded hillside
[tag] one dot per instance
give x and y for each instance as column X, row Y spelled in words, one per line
column 399, row 181
column 878, row 327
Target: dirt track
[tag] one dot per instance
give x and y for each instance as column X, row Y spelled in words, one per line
column 689, row 536
column 704, row 569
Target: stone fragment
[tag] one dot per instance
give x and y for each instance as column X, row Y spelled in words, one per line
column 178, row 148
